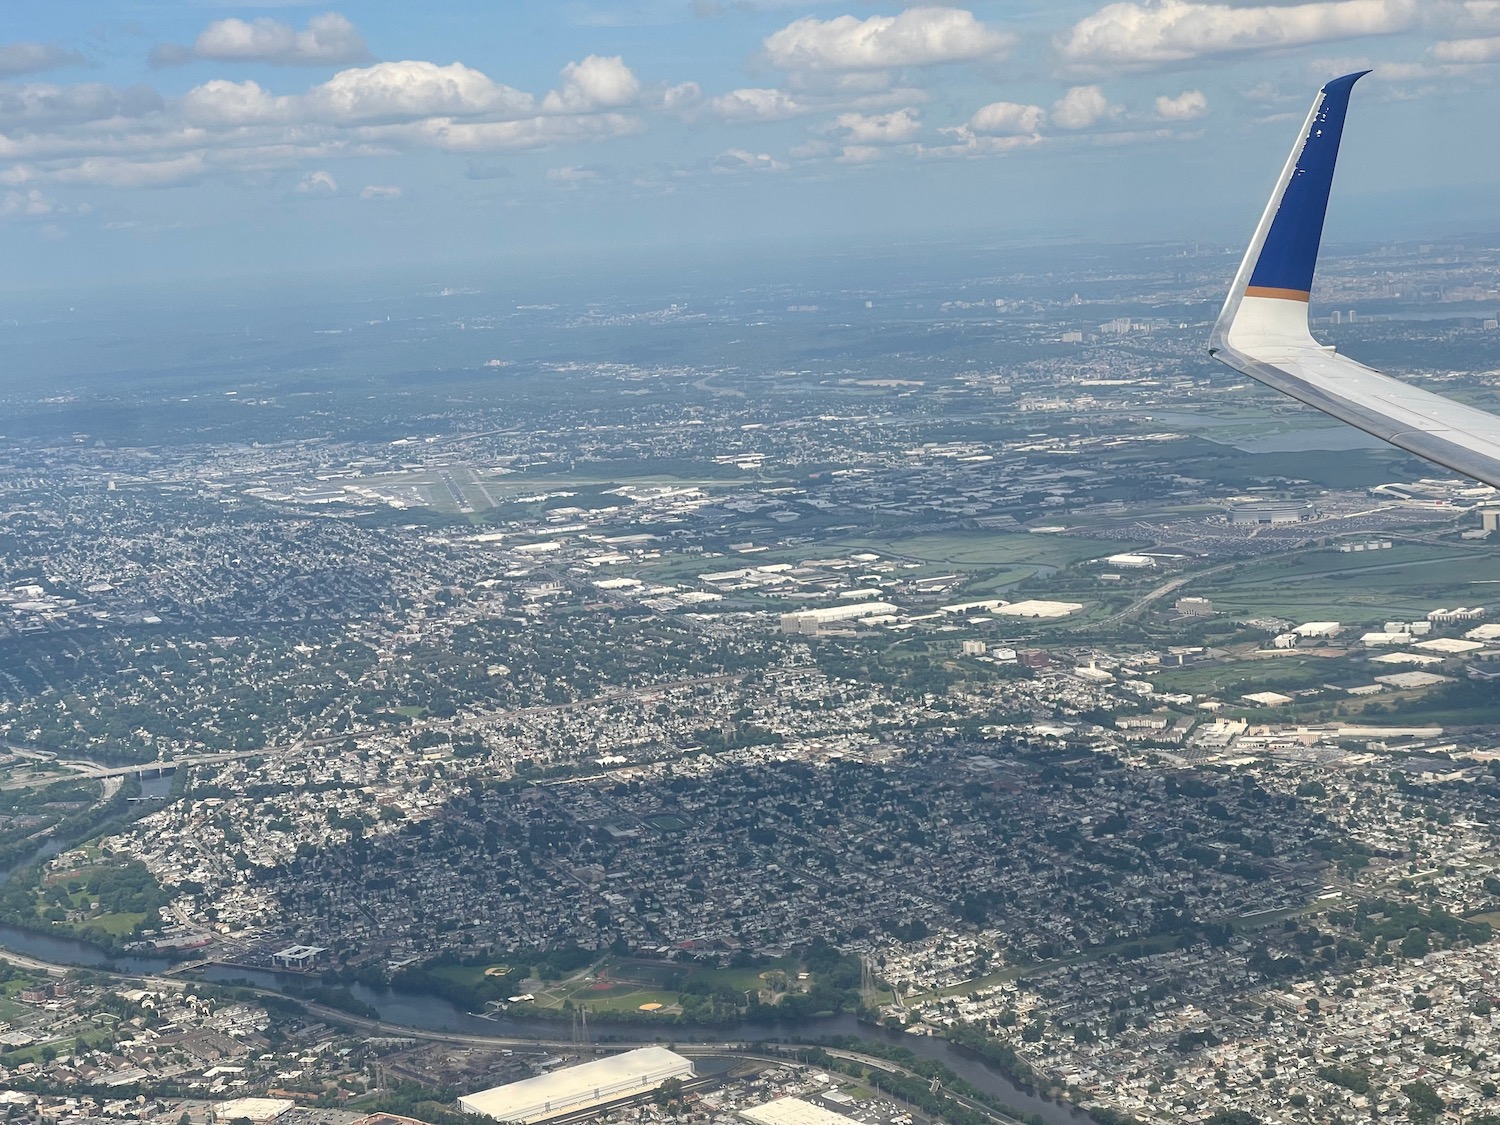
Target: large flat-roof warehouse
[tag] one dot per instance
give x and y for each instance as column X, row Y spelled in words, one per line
column 793, row 1111
column 548, row 1095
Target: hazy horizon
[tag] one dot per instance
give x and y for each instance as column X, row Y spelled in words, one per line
column 202, row 140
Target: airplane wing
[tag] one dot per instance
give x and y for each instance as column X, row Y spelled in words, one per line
column 1263, row 331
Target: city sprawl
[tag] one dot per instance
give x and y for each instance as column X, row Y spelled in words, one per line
column 964, row 654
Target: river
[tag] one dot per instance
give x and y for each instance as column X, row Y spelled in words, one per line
column 432, row 1013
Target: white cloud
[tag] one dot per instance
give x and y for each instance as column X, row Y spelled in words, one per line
column 879, row 129
column 318, row 183
column 113, row 171
column 31, row 204
column 1082, row 107
column 1482, row 50
column 395, row 91
column 759, row 104
column 43, row 105
column 741, row 161
column 92, row 133
column 499, row 136
column 593, row 84
column 32, row 58
column 763, row 104
column 859, row 154
column 916, row 37
column 379, row 191
column 221, row 102
column 683, row 96
column 328, row 40
column 835, row 83
column 1007, row 119
column 1156, row 32
column 1184, row 107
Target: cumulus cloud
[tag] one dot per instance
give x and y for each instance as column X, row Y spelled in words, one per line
column 379, row 191
column 222, row 102
column 879, row 129
column 758, row 104
column 95, row 134
column 1132, row 34
column 318, row 183
column 328, row 40
column 1007, row 119
column 395, row 91
column 595, row 83
column 916, row 37
column 683, row 96
column 33, row 58
column 1184, row 107
column 1082, row 107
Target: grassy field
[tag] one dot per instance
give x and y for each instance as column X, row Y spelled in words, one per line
column 120, row 925
column 619, row 984
column 978, row 549
column 1367, row 588
column 623, row 984
column 1288, row 673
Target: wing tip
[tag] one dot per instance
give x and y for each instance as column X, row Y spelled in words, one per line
column 1282, row 256
column 1345, row 82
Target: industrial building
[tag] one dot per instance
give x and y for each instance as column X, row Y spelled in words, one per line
column 1195, row 607
column 1131, row 561
column 792, row 1111
column 563, row 1091
column 812, row 620
column 1271, row 512
column 298, row 957
column 258, row 1111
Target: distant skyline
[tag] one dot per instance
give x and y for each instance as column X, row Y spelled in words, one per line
column 166, row 140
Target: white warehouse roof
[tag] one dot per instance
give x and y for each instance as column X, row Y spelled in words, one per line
column 549, row 1095
column 842, row 612
column 792, row 1111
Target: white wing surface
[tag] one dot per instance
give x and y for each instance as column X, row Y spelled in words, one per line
column 1263, row 330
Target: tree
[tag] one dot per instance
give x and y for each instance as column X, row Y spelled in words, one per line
column 1233, row 1117
column 669, row 1095
column 1425, row 1103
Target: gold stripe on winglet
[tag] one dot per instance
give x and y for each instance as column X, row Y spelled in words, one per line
column 1278, row 294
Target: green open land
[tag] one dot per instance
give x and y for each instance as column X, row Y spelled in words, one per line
column 978, row 549
column 1366, row 588
column 623, row 984
column 614, row 985
column 1283, row 674
column 1214, row 459
column 989, row 560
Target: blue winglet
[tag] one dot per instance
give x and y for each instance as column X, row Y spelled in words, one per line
column 1290, row 251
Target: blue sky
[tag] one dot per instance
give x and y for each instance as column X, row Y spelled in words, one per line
column 179, row 139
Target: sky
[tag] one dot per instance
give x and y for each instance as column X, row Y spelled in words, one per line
column 148, row 140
